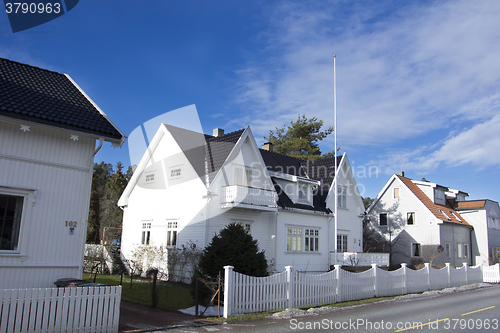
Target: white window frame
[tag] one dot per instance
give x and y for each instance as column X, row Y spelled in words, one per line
column 146, row 232
column 414, row 248
column 28, row 197
column 342, row 243
column 247, row 225
column 396, row 193
column 342, row 196
column 172, row 232
column 408, row 214
column 299, row 236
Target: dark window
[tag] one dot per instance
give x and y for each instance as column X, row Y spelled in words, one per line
column 383, row 219
column 11, row 208
column 410, row 218
column 415, row 250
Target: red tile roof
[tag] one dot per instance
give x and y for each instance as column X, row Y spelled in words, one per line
column 433, row 207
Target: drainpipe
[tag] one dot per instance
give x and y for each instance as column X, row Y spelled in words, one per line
column 101, row 140
column 471, row 256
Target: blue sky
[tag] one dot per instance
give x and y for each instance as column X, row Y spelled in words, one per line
column 417, row 81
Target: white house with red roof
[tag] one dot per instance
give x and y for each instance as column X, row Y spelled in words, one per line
column 417, row 224
column 49, row 129
column 188, row 186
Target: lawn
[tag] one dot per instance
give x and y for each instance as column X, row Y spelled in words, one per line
column 172, row 295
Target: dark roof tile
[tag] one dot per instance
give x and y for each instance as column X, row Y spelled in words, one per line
column 57, row 101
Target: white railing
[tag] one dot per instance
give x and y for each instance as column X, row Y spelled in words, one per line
column 76, row 309
column 359, row 259
column 492, row 273
column 289, row 289
column 237, row 194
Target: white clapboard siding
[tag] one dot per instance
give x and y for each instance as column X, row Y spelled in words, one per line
column 77, row 309
column 244, row 294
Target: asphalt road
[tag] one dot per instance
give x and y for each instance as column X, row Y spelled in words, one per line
column 470, row 311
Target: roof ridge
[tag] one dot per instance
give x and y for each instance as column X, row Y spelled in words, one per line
column 28, row 65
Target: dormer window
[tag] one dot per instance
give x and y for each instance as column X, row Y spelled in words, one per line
column 243, row 176
column 439, row 194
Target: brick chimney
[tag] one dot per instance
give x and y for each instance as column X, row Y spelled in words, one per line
column 267, row 146
column 218, row 132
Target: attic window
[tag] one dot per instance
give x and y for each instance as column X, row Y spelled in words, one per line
column 444, row 214
column 396, row 193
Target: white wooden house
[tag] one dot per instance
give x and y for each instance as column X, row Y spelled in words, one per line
column 188, row 186
column 418, row 220
column 48, row 133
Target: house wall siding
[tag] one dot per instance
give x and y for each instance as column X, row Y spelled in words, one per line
column 166, row 198
column 59, row 170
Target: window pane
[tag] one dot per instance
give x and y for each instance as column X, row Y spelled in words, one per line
column 396, row 193
column 410, row 218
column 383, row 219
column 10, row 221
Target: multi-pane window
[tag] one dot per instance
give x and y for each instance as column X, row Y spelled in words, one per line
column 11, row 208
column 294, row 239
column 341, row 243
column 146, row 233
column 383, row 218
column 416, row 250
column 302, row 239
column 171, row 233
column 303, row 192
column 246, row 225
column 342, row 196
column 410, row 218
column 447, row 250
column 311, row 240
column 175, row 172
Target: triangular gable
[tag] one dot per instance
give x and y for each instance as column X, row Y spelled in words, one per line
column 247, row 133
column 381, row 193
column 123, row 201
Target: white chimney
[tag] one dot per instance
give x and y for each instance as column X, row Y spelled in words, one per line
column 218, row 132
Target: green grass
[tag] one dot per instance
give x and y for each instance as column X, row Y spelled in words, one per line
column 173, row 296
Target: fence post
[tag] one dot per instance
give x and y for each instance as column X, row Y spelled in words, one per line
column 228, row 290
column 290, row 286
column 375, row 280
column 428, row 270
column 466, row 269
column 339, row 288
column 405, row 278
column 448, row 269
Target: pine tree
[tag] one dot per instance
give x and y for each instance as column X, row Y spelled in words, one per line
column 300, row 138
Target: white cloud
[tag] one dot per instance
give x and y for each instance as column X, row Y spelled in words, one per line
column 477, row 146
column 402, row 72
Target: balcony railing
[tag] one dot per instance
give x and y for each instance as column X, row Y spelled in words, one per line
column 235, row 195
column 359, row 259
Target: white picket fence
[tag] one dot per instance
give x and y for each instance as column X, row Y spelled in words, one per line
column 289, row 289
column 76, row 309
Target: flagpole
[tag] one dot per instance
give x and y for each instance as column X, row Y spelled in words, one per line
column 335, row 154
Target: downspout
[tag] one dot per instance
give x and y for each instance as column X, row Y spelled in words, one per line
column 471, row 247
column 101, row 140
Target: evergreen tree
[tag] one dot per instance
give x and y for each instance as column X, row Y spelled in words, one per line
column 105, row 217
column 300, row 138
column 232, row 246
